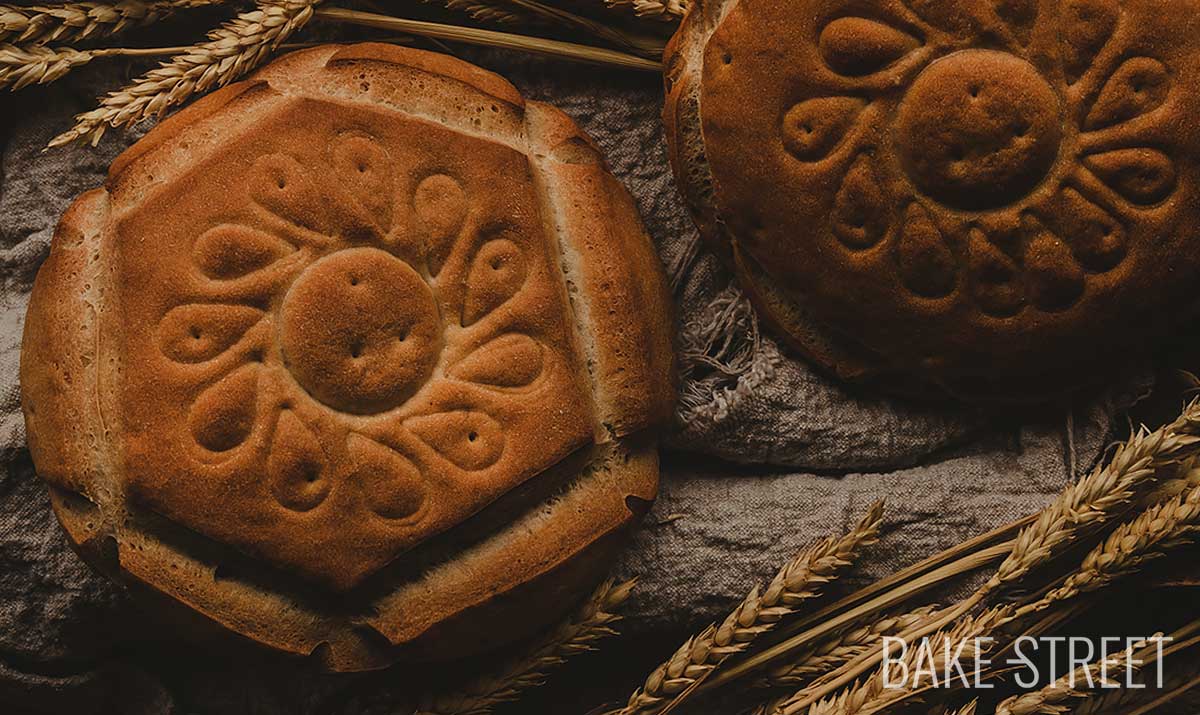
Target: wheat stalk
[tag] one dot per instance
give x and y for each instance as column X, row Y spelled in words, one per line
column 1131, row 545
column 840, row 649
column 556, row 49
column 83, row 20
column 1054, row 697
column 968, row 709
column 232, row 50
column 1099, row 496
column 578, row 634
column 799, row 580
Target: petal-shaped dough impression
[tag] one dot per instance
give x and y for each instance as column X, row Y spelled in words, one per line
column 440, row 205
column 231, row 251
column 1140, row 85
column 496, row 275
column 1085, row 27
column 512, row 360
column 200, row 331
column 389, row 483
column 994, row 277
column 223, row 415
column 859, row 211
column 813, row 128
column 856, row 46
column 296, row 465
column 364, row 173
column 1056, row 279
column 470, row 440
column 1097, row 238
column 1142, row 176
column 926, row 265
column 281, row 185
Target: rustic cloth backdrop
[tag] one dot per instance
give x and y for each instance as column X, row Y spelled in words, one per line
column 765, row 456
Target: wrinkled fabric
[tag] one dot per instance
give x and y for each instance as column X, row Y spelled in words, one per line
column 796, row 456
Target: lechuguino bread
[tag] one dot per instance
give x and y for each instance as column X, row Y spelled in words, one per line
column 359, row 358
column 988, row 198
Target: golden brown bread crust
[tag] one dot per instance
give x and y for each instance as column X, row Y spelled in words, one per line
column 313, row 388
column 978, row 200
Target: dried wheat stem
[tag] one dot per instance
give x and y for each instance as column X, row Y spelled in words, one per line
column 578, row 634
column 841, row 648
column 1132, row 544
column 232, row 50
column 1099, row 496
column 968, row 709
column 876, row 692
column 490, row 38
column 1054, row 697
column 799, row 580
column 83, row 20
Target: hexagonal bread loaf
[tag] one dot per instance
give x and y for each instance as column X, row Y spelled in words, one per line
column 361, row 357
column 997, row 200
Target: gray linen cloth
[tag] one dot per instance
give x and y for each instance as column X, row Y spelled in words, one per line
column 796, row 456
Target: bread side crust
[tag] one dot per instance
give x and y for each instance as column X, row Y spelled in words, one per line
column 615, row 283
column 60, row 353
column 547, row 556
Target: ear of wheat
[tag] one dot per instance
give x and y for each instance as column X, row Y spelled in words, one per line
column 23, row 66
column 578, row 634
column 83, row 20
column 798, row 581
column 231, row 51
column 665, row 10
column 484, row 11
column 968, row 709
column 1130, row 546
column 1100, row 495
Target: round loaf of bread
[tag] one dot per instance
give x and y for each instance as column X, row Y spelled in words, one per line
column 360, row 358
column 993, row 200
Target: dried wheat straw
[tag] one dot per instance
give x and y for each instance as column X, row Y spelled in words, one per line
column 40, row 24
column 968, row 709
column 798, row 581
column 232, row 50
column 578, row 634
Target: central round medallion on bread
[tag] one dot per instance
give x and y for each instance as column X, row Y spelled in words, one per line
column 359, row 330
column 978, row 129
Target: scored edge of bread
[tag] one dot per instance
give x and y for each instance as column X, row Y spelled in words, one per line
column 613, row 281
